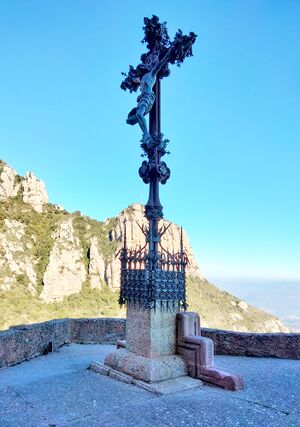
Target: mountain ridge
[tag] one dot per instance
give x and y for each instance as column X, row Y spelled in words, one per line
column 54, row 259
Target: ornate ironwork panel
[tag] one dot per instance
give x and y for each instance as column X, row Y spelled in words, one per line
column 146, row 287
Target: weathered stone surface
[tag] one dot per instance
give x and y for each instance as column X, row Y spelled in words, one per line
column 64, row 393
column 243, row 305
column 96, row 265
column 27, row 342
column 175, row 385
column 150, row 346
column 146, row 368
column 100, row 368
column 65, row 273
column 272, row 325
column 284, row 346
column 160, row 388
column 198, row 353
column 113, row 273
column 97, row 331
column 9, row 185
column 150, row 333
column 120, row 376
column 34, row 192
column 16, row 261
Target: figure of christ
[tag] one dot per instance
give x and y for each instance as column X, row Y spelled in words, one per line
column 146, row 98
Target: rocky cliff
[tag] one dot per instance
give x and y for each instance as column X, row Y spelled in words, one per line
column 29, row 188
column 52, row 254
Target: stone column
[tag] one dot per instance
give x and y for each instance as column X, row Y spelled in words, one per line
column 151, row 333
column 150, row 346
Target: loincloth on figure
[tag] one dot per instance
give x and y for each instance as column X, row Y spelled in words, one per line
column 144, row 99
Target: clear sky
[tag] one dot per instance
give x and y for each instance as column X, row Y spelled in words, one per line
column 231, row 113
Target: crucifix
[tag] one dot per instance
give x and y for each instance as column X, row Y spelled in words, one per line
column 147, row 78
column 163, row 341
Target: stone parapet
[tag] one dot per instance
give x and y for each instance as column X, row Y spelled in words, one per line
column 26, row 342
column 279, row 345
column 97, row 331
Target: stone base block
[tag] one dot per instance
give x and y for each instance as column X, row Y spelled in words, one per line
column 222, row 379
column 159, row 388
column 151, row 333
column 147, row 369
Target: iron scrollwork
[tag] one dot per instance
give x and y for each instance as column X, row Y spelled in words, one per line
column 162, row 286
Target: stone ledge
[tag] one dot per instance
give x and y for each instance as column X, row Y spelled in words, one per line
column 160, row 388
column 278, row 345
column 26, row 342
column 148, row 369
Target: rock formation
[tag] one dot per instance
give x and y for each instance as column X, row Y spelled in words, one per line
column 113, row 272
column 17, row 265
column 96, row 265
column 34, row 192
column 65, row 273
column 53, row 254
column 31, row 189
column 9, row 183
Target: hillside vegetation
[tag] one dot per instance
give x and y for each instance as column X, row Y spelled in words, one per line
column 18, row 306
column 218, row 309
column 56, row 264
column 221, row 310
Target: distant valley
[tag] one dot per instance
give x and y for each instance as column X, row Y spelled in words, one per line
column 279, row 297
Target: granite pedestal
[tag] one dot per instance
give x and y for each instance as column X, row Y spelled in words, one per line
column 150, row 347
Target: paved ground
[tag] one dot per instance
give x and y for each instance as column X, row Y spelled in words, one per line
column 58, row 390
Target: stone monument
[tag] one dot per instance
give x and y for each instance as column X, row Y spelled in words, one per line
column 153, row 279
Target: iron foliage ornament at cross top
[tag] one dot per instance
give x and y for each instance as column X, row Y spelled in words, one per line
column 154, row 66
column 151, row 275
column 159, row 45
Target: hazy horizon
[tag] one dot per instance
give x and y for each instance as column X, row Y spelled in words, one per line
column 278, row 297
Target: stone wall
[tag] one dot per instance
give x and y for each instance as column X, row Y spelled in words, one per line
column 280, row 345
column 97, row 331
column 26, row 342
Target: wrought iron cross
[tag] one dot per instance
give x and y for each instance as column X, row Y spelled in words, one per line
column 163, row 275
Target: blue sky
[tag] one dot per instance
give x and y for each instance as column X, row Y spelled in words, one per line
column 231, row 113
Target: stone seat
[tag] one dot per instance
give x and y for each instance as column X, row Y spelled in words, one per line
column 198, row 353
